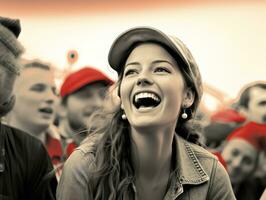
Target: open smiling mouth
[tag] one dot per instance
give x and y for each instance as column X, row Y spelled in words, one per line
column 146, row 100
column 46, row 110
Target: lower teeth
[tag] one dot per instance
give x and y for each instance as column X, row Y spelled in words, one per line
column 146, row 107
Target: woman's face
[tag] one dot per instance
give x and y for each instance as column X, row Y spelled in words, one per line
column 152, row 87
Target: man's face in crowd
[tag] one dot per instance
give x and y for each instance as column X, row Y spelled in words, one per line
column 7, row 81
column 81, row 104
column 256, row 110
column 241, row 159
column 35, row 97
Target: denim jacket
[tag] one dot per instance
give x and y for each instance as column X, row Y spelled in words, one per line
column 197, row 175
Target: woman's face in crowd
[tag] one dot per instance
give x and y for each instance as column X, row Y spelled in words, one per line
column 241, row 158
column 152, row 88
column 35, row 97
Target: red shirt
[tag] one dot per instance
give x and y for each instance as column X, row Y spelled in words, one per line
column 56, row 152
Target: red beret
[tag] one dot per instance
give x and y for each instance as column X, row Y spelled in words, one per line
column 253, row 133
column 80, row 78
column 228, row 115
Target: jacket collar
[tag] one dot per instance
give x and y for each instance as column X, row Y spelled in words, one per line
column 187, row 168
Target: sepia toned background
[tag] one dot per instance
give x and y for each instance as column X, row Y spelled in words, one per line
column 227, row 38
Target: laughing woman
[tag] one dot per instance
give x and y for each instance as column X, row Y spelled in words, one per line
column 145, row 149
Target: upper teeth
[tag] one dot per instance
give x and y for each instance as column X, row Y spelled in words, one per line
column 146, row 95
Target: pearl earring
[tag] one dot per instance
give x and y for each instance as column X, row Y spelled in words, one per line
column 184, row 114
column 124, row 117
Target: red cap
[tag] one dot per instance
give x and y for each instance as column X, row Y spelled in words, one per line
column 228, row 115
column 80, row 78
column 253, row 133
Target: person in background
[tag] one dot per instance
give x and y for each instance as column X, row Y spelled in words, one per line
column 135, row 152
column 35, row 108
column 36, row 96
column 251, row 106
column 248, row 114
column 26, row 171
column 241, row 153
column 81, row 93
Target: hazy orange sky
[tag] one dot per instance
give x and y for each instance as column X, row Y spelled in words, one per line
column 62, row 7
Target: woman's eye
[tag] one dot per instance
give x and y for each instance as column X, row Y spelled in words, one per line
column 130, row 72
column 162, row 70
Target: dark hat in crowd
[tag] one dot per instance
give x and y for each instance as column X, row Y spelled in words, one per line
column 253, row 133
column 10, row 48
column 12, row 24
column 228, row 115
column 81, row 78
column 125, row 43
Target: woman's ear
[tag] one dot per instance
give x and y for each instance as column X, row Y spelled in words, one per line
column 122, row 106
column 188, row 99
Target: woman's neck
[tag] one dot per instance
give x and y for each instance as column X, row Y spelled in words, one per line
column 152, row 152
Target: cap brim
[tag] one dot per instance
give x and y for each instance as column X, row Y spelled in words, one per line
column 122, row 46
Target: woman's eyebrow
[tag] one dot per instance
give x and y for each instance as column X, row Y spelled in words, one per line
column 154, row 62
column 132, row 63
column 160, row 61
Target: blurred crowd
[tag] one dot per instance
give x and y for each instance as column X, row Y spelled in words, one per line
column 59, row 119
column 236, row 135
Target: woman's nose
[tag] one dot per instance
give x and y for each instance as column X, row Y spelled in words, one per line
column 142, row 81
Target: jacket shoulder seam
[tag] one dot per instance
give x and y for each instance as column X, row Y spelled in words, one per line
column 212, row 175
